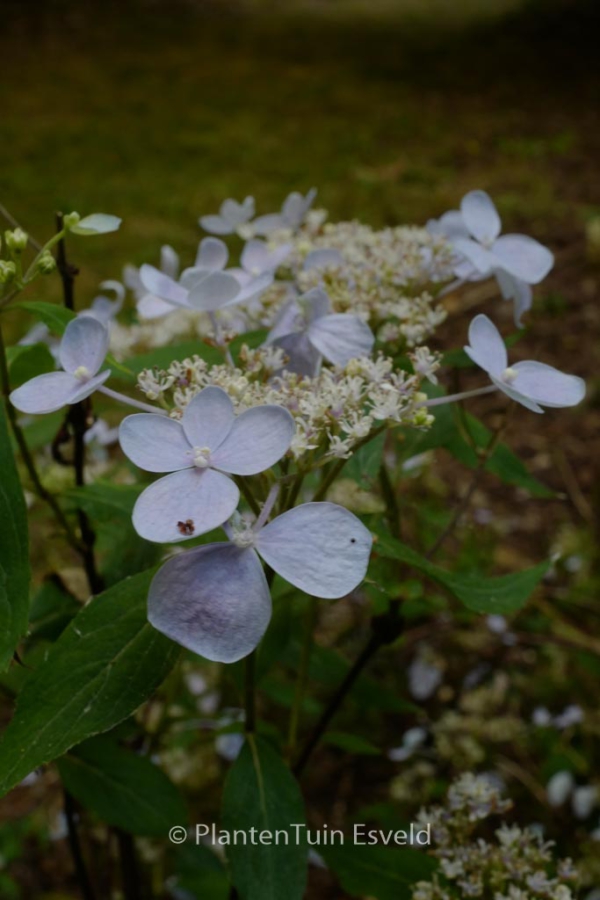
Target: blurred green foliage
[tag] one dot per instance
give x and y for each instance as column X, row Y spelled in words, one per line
column 156, row 112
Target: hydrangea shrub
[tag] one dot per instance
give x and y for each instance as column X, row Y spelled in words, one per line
column 239, row 392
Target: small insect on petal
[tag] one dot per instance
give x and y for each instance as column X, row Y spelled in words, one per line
column 186, row 528
column 201, row 496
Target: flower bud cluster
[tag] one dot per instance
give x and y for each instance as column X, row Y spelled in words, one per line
column 16, row 241
column 46, row 264
column 8, row 270
column 71, row 219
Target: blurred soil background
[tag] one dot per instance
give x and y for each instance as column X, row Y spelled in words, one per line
column 157, row 111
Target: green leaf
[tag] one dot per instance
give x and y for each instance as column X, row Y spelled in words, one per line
column 106, row 663
column 103, row 501
column 351, row 743
column 251, row 339
column 283, row 625
column 118, row 368
column 503, row 463
column 110, row 506
column 55, row 317
column 162, row 357
column 25, row 362
column 123, row 789
column 14, row 551
column 284, row 695
column 260, row 792
column 376, row 871
column 504, row 594
column 199, row 872
column 41, row 430
column 445, row 433
column 457, row 358
column 364, row 465
column 52, row 608
column 330, row 668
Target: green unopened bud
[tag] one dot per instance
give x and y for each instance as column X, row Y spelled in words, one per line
column 46, row 264
column 8, row 270
column 422, row 418
column 71, row 219
column 16, row 240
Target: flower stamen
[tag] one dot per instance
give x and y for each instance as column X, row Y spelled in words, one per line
column 201, row 457
column 509, row 375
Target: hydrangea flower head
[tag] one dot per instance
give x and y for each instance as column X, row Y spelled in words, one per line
column 149, row 284
column 103, row 308
column 257, row 258
column 488, row 250
column 149, row 306
column 81, row 353
column 450, row 225
column 306, row 330
column 533, row 384
column 232, row 218
column 205, row 287
column 215, row 599
column 293, row 211
column 209, row 444
column 516, row 260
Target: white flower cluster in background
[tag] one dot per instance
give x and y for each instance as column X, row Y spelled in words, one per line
column 516, row 864
column 388, row 277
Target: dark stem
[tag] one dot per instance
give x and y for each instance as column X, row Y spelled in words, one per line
column 66, row 270
column 385, row 628
column 78, row 418
column 83, row 879
column 26, row 456
column 130, row 874
column 370, row 649
column 463, row 505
